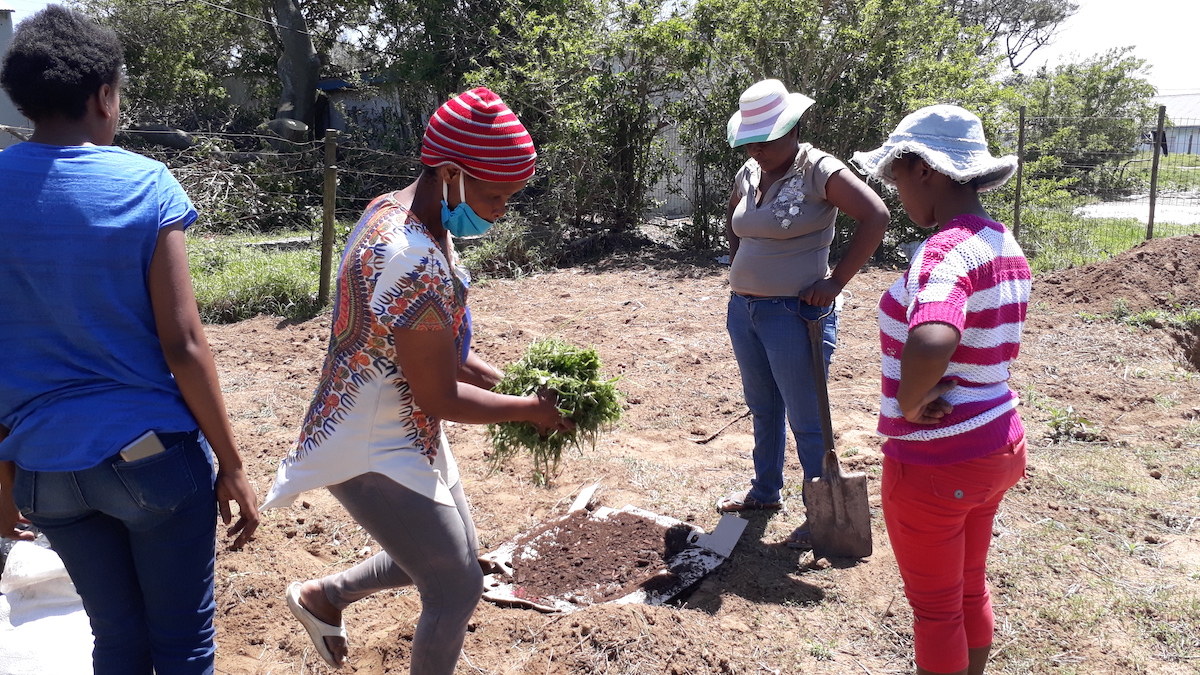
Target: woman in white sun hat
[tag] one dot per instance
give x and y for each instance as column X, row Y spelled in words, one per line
column 780, row 224
column 949, row 328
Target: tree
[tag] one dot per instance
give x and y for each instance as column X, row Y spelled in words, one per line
column 1022, row 26
column 299, row 66
column 177, row 56
column 1087, row 115
column 867, row 63
column 596, row 83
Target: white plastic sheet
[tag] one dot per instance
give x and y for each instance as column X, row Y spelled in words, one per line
column 43, row 628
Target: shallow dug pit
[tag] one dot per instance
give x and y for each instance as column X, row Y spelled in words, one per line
column 1189, row 344
column 588, row 557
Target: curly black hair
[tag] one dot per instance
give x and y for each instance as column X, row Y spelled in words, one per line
column 57, row 60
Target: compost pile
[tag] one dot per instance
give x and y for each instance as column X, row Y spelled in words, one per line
column 587, row 560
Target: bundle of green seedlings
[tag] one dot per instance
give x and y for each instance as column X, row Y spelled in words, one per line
column 585, row 397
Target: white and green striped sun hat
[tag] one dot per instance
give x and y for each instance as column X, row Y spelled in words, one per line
column 766, row 111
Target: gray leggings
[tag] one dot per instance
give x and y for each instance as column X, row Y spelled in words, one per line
column 424, row 543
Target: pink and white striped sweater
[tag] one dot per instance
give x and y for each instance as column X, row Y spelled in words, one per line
column 972, row 275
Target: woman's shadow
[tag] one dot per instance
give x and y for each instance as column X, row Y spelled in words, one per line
column 761, row 572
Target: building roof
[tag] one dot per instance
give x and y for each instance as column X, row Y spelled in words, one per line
column 5, row 7
column 1182, row 109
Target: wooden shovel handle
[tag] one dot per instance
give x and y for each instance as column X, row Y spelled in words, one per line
column 815, row 340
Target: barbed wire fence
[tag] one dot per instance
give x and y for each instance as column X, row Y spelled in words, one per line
column 1076, row 199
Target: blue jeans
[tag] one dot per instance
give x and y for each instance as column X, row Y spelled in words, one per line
column 139, row 541
column 770, row 341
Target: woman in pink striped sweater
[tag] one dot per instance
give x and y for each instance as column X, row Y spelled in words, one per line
column 949, row 328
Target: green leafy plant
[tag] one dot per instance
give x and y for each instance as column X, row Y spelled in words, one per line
column 508, row 250
column 584, row 396
column 1068, row 425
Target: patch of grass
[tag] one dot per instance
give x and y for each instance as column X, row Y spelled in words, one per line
column 508, row 250
column 820, row 651
column 1054, row 238
column 234, row 281
column 1176, row 172
column 1165, row 401
column 1068, row 425
column 1181, row 318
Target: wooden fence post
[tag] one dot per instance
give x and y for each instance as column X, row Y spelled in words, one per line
column 1158, row 141
column 327, row 222
column 1020, row 174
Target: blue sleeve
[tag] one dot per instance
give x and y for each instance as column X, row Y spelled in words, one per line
column 174, row 204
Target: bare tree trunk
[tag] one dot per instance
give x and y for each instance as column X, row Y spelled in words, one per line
column 298, row 66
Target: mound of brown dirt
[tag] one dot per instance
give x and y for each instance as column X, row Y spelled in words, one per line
column 1157, row 274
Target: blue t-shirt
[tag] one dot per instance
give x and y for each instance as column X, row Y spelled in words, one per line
column 82, row 372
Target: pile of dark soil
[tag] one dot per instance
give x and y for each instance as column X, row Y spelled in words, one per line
column 587, row 560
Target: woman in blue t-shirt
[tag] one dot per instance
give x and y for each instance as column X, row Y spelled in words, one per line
column 110, row 410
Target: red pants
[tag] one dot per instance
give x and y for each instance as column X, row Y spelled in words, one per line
column 939, row 521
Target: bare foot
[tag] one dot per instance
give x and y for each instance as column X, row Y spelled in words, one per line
column 313, row 598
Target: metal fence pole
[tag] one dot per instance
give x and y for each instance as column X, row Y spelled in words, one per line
column 327, row 222
column 1020, row 174
column 1158, row 139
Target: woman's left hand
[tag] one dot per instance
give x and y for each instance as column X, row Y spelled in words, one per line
column 930, row 408
column 822, row 293
column 233, row 485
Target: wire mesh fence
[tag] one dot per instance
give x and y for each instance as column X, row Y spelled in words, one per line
column 1090, row 187
column 1093, row 187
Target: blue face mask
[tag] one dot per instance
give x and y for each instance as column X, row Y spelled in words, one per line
column 462, row 221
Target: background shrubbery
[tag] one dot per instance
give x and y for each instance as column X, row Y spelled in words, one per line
column 626, row 99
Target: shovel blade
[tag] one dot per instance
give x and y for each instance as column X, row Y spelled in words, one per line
column 839, row 517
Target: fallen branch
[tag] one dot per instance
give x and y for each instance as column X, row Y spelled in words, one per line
column 702, row 441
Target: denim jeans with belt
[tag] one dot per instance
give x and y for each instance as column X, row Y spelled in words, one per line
column 139, row 541
column 770, row 341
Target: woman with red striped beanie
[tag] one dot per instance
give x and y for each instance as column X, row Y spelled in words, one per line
column 400, row 362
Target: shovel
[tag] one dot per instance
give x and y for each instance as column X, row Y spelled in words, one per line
column 839, row 519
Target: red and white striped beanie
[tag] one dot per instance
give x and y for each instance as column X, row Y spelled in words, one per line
column 479, row 134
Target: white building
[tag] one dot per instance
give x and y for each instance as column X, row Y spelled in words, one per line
column 1183, row 123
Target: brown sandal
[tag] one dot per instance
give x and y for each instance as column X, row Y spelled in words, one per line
column 742, row 501
column 800, row 539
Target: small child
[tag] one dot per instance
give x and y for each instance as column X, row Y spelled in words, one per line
column 949, row 328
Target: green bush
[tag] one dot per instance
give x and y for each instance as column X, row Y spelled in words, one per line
column 509, row 250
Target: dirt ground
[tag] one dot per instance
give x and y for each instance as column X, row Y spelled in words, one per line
column 1095, row 564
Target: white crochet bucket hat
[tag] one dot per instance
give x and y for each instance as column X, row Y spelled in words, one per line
column 766, row 111
column 950, row 139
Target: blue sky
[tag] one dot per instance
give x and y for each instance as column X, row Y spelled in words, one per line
column 1163, row 32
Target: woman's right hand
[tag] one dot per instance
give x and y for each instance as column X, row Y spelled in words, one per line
column 546, row 416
